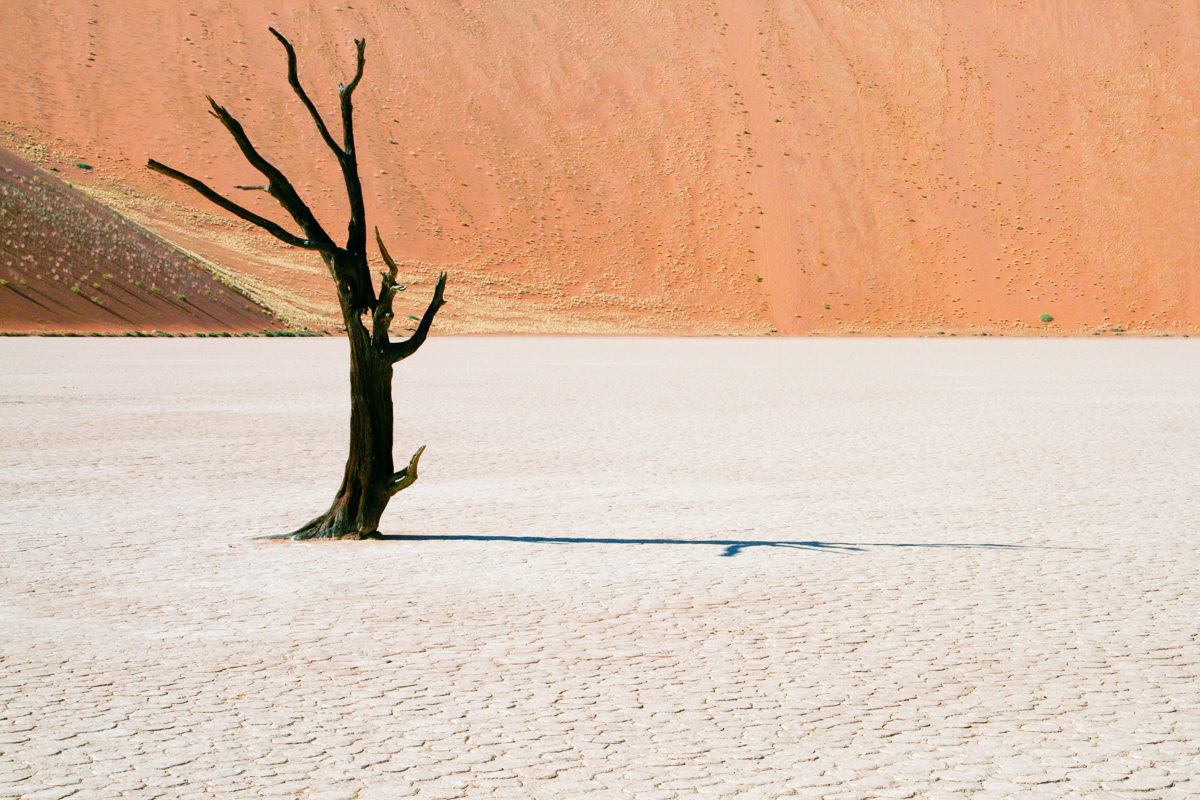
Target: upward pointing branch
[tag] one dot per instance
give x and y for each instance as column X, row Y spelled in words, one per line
column 346, row 91
column 294, row 80
column 356, row 236
column 387, row 292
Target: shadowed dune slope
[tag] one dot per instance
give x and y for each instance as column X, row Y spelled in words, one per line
column 68, row 263
column 737, row 166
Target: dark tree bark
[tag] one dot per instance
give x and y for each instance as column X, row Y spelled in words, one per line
column 370, row 479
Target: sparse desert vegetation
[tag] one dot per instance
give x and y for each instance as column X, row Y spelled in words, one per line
column 69, row 264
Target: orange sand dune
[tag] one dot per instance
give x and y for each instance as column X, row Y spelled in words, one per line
column 67, row 263
column 738, row 166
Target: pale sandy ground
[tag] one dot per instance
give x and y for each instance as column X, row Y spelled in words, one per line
column 643, row 568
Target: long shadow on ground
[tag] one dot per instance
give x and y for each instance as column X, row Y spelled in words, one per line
column 732, row 546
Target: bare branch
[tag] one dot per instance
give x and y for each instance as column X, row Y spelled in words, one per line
column 276, row 230
column 294, row 80
column 387, row 257
column 254, row 188
column 387, row 291
column 401, row 350
column 345, row 93
column 407, row 476
column 356, row 235
column 356, row 241
column 279, row 186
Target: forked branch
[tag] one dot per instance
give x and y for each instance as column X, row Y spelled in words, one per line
column 278, row 186
column 348, row 89
column 347, row 159
column 395, row 351
column 401, row 350
column 276, row 230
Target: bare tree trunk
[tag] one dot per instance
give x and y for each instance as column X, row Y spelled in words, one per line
column 364, row 493
column 370, row 478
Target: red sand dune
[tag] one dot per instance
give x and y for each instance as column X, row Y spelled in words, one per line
column 68, row 263
column 739, row 166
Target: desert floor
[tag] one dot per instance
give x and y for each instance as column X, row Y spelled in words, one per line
column 631, row 568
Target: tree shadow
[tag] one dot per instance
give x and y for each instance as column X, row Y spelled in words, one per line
column 732, row 546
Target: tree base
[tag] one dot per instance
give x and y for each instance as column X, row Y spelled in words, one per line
column 346, row 537
column 356, row 511
column 329, row 526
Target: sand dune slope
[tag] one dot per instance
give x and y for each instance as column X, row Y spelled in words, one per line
column 737, row 166
column 68, row 263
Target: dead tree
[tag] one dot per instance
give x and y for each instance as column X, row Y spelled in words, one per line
column 370, row 479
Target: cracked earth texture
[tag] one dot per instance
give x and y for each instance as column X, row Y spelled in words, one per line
column 631, row 569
